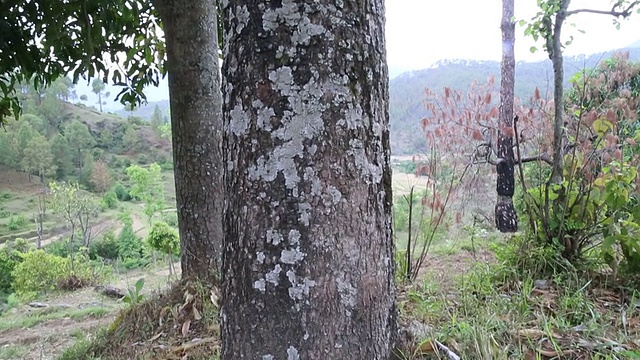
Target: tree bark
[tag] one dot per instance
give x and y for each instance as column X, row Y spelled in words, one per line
column 195, row 100
column 308, row 265
column 554, row 48
column 505, row 213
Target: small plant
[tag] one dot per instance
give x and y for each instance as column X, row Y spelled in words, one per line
column 15, row 223
column 134, row 295
column 5, row 195
column 110, row 200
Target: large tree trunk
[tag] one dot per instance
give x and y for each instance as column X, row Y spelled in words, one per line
column 308, row 266
column 505, row 213
column 194, row 89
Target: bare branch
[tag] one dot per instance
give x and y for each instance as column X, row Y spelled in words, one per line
column 524, row 160
column 613, row 12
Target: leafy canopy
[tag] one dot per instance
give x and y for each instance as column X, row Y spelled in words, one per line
column 43, row 40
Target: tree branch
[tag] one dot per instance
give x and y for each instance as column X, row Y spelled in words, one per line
column 524, row 160
column 613, row 12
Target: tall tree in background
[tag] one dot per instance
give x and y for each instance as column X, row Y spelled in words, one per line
column 79, row 139
column 308, row 251
column 505, row 213
column 194, row 91
column 98, row 87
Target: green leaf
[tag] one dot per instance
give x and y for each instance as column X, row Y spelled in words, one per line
column 533, row 49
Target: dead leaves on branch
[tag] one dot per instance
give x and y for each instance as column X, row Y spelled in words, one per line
column 468, row 123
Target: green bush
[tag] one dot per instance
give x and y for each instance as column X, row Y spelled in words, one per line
column 122, row 193
column 4, row 213
column 5, row 195
column 9, row 259
column 41, row 272
column 62, row 248
column 38, row 272
column 164, row 239
column 15, row 223
column 105, row 247
column 110, row 200
column 131, row 249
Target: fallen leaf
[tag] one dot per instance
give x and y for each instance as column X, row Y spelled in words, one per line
column 185, row 327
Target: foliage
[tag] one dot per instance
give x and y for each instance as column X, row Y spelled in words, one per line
column 164, row 239
column 71, row 41
column 9, row 259
column 79, row 140
column 106, row 247
column 134, row 295
column 38, row 272
column 148, row 187
column 38, row 158
column 131, row 249
column 16, row 223
column 595, row 206
column 78, row 208
column 424, row 215
column 41, row 272
column 110, row 200
column 100, row 177
column 121, row 192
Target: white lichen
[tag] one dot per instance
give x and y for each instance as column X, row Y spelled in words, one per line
column 239, row 122
column 347, row 292
column 260, row 285
column 242, row 14
column 291, row 256
column 273, row 276
column 292, row 353
column 274, row 237
column 260, row 257
column 267, row 357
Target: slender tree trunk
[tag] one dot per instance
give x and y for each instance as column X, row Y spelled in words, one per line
column 194, row 88
column 505, row 213
column 554, row 48
column 308, row 265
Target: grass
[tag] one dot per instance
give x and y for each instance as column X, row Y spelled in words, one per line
column 179, row 322
column 40, row 316
column 492, row 312
column 12, row 352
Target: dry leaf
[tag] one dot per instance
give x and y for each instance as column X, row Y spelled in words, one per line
column 155, row 337
column 196, row 314
column 185, row 327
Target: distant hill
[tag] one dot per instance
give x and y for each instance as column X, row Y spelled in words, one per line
column 407, row 90
column 145, row 111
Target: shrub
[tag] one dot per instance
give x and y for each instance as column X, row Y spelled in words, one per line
column 41, row 272
column 62, row 248
column 38, row 272
column 122, row 193
column 5, row 195
column 105, row 247
column 110, row 200
column 163, row 238
column 15, row 223
column 8, row 261
column 131, row 249
column 4, row 213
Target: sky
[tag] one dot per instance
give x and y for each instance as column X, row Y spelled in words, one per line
column 422, row 32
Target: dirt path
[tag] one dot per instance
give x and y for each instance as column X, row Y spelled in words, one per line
column 49, row 339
